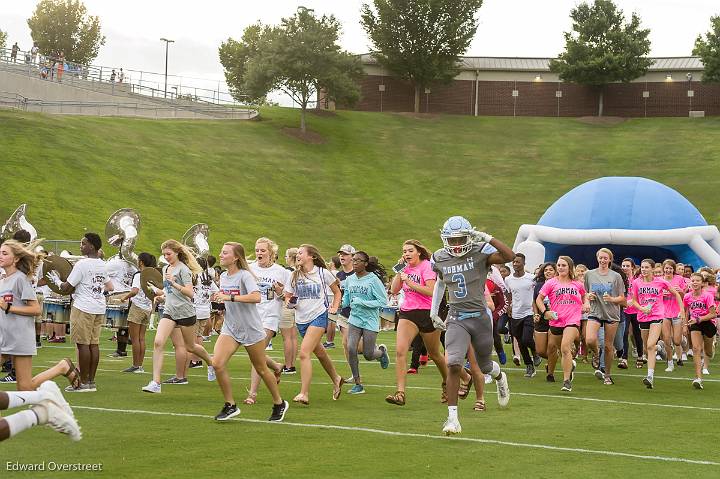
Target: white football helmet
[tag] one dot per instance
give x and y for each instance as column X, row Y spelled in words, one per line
column 457, row 236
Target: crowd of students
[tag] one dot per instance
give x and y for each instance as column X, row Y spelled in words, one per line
column 460, row 299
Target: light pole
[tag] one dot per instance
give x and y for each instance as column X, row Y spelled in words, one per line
column 167, row 43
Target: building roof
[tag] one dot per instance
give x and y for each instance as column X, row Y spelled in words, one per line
column 543, row 64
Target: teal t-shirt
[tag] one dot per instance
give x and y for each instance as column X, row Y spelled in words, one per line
column 366, row 296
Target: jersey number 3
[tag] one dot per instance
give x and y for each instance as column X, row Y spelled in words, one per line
column 461, row 290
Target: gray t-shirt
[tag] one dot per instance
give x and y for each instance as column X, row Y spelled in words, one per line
column 242, row 320
column 464, row 277
column 177, row 305
column 17, row 332
column 610, row 283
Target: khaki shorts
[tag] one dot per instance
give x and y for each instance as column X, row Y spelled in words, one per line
column 287, row 320
column 200, row 327
column 40, row 317
column 342, row 321
column 85, row 327
column 138, row 315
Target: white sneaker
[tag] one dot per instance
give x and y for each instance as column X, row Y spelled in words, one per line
column 51, row 391
column 152, row 387
column 705, row 372
column 503, row 390
column 59, row 420
column 452, row 427
column 211, row 373
column 684, row 356
column 674, row 357
column 661, row 351
column 697, row 383
column 689, row 354
column 670, row 368
column 488, row 379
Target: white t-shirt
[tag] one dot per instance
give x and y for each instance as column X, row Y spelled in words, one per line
column 88, row 277
column 140, row 300
column 271, row 304
column 120, row 274
column 201, row 298
column 310, row 291
column 521, row 290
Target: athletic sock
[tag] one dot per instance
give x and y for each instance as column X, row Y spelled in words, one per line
column 452, row 412
column 651, row 372
column 495, row 370
column 21, row 421
column 23, row 398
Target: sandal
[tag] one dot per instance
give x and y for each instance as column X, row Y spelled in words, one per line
column 251, row 399
column 301, row 399
column 337, row 390
column 622, row 364
column 443, row 397
column 73, row 373
column 479, row 405
column 398, row 398
column 639, row 363
column 464, row 390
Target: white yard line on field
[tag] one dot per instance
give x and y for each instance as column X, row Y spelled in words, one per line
column 421, row 436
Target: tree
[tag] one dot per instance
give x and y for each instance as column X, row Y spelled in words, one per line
column 64, row 26
column 602, row 48
column 299, row 57
column 421, row 40
column 708, row 49
column 3, row 39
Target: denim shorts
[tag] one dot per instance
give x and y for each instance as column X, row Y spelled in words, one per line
column 319, row 322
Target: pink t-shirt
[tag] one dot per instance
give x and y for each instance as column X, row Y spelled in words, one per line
column 630, row 309
column 650, row 294
column 565, row 300
column 672, row 309
column 699, row 305
column 421, row 274
column 713, row 291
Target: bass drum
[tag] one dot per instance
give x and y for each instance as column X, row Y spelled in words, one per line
column 57, row 309
column 116, row 311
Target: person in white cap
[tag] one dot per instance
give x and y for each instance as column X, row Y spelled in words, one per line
column 345, row 253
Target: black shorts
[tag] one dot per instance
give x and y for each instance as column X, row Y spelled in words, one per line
column 558, row 330
column 602, row 322
column 541, row 326
column 646, row 324
column 182, row 321
column 420, row 318
column 707, row 328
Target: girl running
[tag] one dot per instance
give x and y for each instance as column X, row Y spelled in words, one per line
column 546, row 272
column 305, row 292
column 242, row 327
column 18, row 308
column 271, row 280
column 630, row 317
column 180, row 274
column 567, row 303
column 673, row 322
column 287, row 321
column 700, row 320
column 417, row 281
column 365, row 294
column 647, row 297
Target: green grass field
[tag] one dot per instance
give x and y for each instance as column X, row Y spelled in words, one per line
column 595, row 431
column 378, row 180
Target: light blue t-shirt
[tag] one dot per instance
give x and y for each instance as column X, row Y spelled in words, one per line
column 366, row 296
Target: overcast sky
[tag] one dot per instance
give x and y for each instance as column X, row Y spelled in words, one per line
column 519, row 28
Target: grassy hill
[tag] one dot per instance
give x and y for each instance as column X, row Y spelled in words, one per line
column 377, row 180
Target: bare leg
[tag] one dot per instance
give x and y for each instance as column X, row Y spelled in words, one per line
column 163, row 332
column 432, row 344
column 406, row 332
column 225, row 347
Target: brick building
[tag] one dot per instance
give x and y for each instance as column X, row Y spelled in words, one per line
column 526, row 87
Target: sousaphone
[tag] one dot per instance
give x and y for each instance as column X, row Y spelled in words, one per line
column 196, row 238
column 121, row 231
column 17, row 222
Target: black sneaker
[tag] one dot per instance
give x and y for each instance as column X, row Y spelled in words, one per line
column 195, row 364
column 7, row 366
column 175, row 380
column 286, row 370
column 567, row 386
column 278, row 411
column 550, row 378
column 228, row 411
column 9, row 379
